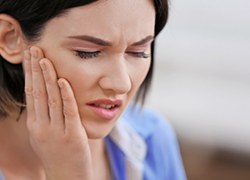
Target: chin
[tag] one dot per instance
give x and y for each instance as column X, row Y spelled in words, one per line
column 98, row 131
column 97, row 134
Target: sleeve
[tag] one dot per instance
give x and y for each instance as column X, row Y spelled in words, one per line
column 163, row 155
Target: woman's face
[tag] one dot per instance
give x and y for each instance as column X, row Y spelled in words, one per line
column 103, row 50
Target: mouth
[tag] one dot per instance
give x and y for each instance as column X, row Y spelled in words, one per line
column 106, row 109
column 105, row 106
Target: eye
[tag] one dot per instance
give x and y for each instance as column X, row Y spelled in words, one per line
column 87, row 54
column 139, row 54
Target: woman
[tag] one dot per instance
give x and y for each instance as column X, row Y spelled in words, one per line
column 83, row 61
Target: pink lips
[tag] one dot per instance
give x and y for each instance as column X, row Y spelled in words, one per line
column 105, row 108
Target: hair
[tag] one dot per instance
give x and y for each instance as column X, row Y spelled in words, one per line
column 32, row 15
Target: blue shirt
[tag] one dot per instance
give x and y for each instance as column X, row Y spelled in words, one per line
column 143, row 145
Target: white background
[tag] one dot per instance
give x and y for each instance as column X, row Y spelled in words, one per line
column 202, row 73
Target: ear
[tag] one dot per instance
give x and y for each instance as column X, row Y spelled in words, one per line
column 12, row 43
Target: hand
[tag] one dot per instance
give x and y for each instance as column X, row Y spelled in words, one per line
column 56, row 132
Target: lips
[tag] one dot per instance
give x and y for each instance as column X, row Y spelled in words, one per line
column 106, row 109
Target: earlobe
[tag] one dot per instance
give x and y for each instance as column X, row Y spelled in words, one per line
column 11, row 40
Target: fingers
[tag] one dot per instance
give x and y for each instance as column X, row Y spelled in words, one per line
column 39, row 89
column 70, row 109
column 54, row 96
column 49, row 101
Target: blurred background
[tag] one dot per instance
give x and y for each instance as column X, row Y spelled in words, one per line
column 202, row 85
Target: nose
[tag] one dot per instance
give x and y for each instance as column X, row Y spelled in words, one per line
column 117, row 78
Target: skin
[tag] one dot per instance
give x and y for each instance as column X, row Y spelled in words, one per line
column 115, row 74
column 58, row 85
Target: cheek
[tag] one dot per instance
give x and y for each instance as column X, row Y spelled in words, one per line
column 77, row 74
column 68, row 68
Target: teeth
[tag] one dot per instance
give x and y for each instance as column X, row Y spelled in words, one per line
column 106, row 106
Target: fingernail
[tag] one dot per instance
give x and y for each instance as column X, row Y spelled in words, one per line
column 42, row 64
column 34, row 52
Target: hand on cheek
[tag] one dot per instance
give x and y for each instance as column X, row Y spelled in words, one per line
column 56, row 133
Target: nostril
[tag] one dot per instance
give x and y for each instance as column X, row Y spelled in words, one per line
column 117, row 84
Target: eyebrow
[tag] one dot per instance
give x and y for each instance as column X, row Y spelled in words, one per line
column 92, row 40
column 102, row 42
column 143, row 41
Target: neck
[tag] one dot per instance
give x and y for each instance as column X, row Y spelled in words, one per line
column 100, row 159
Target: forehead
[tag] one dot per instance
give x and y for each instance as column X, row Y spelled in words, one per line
column 109, row 19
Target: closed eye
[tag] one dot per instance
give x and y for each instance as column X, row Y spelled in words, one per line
column 87, row 54
column 139, row 54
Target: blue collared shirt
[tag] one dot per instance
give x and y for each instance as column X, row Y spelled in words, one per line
column 143, row 146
